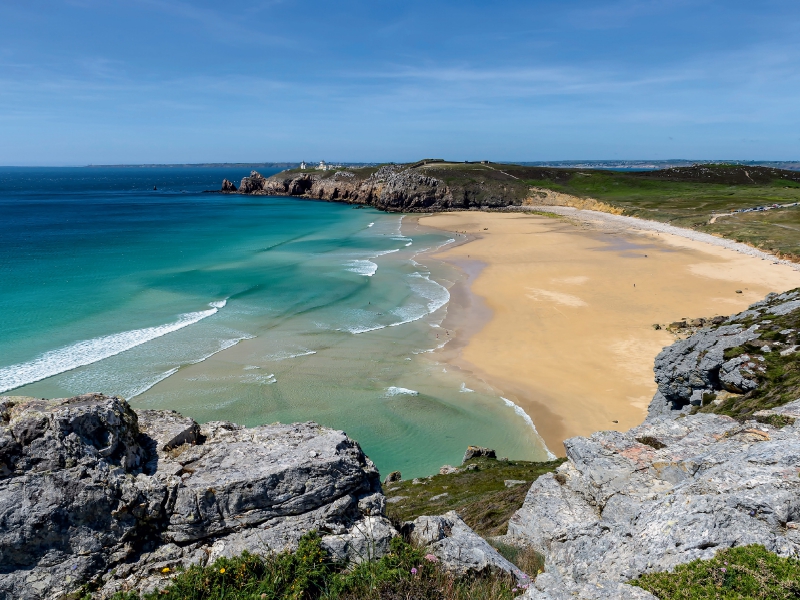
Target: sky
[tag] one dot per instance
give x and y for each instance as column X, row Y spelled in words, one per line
column 181, row 81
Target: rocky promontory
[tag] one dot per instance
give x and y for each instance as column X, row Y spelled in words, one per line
column 92, row 491
column 393, row 188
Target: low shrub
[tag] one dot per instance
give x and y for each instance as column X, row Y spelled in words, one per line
column 405, row 573
column 744, row 573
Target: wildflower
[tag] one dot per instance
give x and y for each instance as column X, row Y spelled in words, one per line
column 413, row 570
column 514, row 590
column 431, row 558
column 222, row 570
column 165, row 570
column 724, row 570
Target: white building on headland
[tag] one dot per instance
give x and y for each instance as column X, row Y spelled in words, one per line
column 303, row 165
column 322, row 166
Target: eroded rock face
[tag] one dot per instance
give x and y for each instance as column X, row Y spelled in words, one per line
column 662, row 494
column 392, row 188
column 459, row 549
column 695, row 367
column 228, row 187
column 87, row 486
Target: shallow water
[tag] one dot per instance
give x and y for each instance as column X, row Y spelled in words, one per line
column 246, row 308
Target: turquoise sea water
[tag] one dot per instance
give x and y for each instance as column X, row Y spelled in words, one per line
column 251, row 309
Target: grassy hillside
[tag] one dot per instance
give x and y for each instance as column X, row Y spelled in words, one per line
column 684, row 196
column 478, row 493
column 692, row 196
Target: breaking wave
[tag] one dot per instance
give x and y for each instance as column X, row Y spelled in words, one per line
column 91, row 351
column 526, row 417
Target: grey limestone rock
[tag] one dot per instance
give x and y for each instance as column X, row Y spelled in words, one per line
column 393, row 477
column 662, row 494
column 692, row 368
column 478, row 452
column 253, row 184
column 459, row 549
column 87, row 486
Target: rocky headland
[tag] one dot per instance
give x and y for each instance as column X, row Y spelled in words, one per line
column 94, row 492
column 393, row 188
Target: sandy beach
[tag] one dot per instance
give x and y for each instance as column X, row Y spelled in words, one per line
column 562, row 312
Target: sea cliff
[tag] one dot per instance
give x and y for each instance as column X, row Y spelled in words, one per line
column 393, row 188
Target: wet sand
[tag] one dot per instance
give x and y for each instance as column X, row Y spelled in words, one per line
column 559, row 316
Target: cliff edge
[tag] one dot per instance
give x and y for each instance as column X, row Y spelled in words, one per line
column 92, row 491
column 715, row 465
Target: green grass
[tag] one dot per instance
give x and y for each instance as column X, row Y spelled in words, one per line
column 479, row 496
column 309, row 574
column 686, row 197
column 745, row 573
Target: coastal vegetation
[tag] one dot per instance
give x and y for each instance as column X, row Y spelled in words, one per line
column 744, row 573
column 775, row 369
column 310, row 574
column 750, row 204
column 477, row 491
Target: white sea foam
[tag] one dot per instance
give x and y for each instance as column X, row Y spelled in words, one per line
column 362, row 267
column 371, row 224
column 223, row 346
column 365, row 266
column 141, row 390
column 408, row 244
column 218, row 303
column 526, row 417
column 464, row 389
column 436, row 294
column 87, row 352
column 287, row 355
column 250, row 367
column 400, row 391
column 265, row 379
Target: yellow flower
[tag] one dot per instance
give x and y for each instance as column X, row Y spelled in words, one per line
column 222, row 570
column 165, row 570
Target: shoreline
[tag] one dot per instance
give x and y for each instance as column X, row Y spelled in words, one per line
column 549, row 316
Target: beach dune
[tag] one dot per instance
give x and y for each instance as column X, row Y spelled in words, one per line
column 571, row 335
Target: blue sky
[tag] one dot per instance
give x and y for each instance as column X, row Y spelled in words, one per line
column 103, row 81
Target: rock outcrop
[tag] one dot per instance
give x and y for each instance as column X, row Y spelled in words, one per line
column 680, row 486
column 394, row 188
column 228, row 187
column 459, row 549
column 478, row 452
column 92, row 491
column 696, row 368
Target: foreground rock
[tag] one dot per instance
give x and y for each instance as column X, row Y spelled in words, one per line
column 680, row 486
column 87, row 486
column 459, row 549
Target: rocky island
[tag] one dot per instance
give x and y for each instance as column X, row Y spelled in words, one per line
column 94, row 492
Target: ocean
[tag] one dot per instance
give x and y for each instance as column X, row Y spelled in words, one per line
column 252, row 309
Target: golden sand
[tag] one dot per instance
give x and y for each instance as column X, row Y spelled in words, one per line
column 571, row 337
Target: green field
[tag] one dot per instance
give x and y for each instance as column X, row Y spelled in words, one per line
column 685, row 200
column 683, row 196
